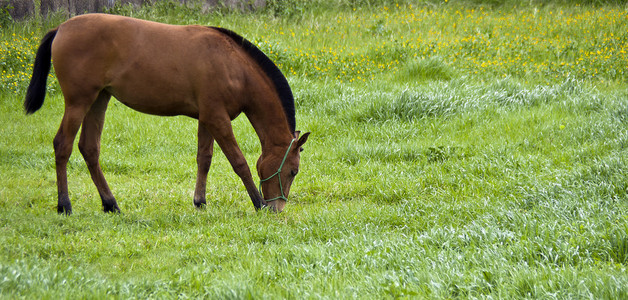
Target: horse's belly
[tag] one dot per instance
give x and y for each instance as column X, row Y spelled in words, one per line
column 154, row 91
column 164, row 104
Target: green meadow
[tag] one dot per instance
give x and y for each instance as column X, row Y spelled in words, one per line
column 459, row 149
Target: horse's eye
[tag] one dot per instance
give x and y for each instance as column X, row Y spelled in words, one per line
column 294, row 172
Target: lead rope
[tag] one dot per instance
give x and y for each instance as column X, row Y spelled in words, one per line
column 275, row 174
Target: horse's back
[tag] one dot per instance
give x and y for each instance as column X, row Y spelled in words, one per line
column 152, row 67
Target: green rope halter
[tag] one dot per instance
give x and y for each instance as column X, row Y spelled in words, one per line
column 276, row 174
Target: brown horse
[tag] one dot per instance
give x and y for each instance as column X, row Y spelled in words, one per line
column 207, row 73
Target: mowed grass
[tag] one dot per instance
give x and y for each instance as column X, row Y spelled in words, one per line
column 420, row 180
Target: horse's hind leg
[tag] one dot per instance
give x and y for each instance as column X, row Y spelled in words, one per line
column 63, row 143
column 204, row 160
column 89, row 145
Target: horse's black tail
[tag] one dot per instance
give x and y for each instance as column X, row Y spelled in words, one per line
column 36, row 91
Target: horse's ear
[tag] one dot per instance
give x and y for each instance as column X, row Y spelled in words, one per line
column 301, row 140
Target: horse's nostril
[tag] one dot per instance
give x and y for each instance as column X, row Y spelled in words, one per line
column 272, row 208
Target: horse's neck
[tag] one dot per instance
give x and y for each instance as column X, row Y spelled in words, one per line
column 271, row 126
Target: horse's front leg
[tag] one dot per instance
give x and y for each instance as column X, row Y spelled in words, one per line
column 223, row 133
column 204, row 161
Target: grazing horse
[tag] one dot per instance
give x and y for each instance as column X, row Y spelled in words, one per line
column 207, row 73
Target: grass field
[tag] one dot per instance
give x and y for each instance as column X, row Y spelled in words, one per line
column 458, row 150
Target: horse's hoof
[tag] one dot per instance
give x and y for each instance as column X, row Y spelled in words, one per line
column 64, row 210
column 111, row 209
column 110, row 205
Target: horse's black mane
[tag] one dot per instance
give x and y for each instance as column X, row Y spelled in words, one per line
column 281, row 84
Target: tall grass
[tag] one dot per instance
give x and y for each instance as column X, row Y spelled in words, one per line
column 455, row 173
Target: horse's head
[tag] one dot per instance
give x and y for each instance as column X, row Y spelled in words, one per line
column 277, row 170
